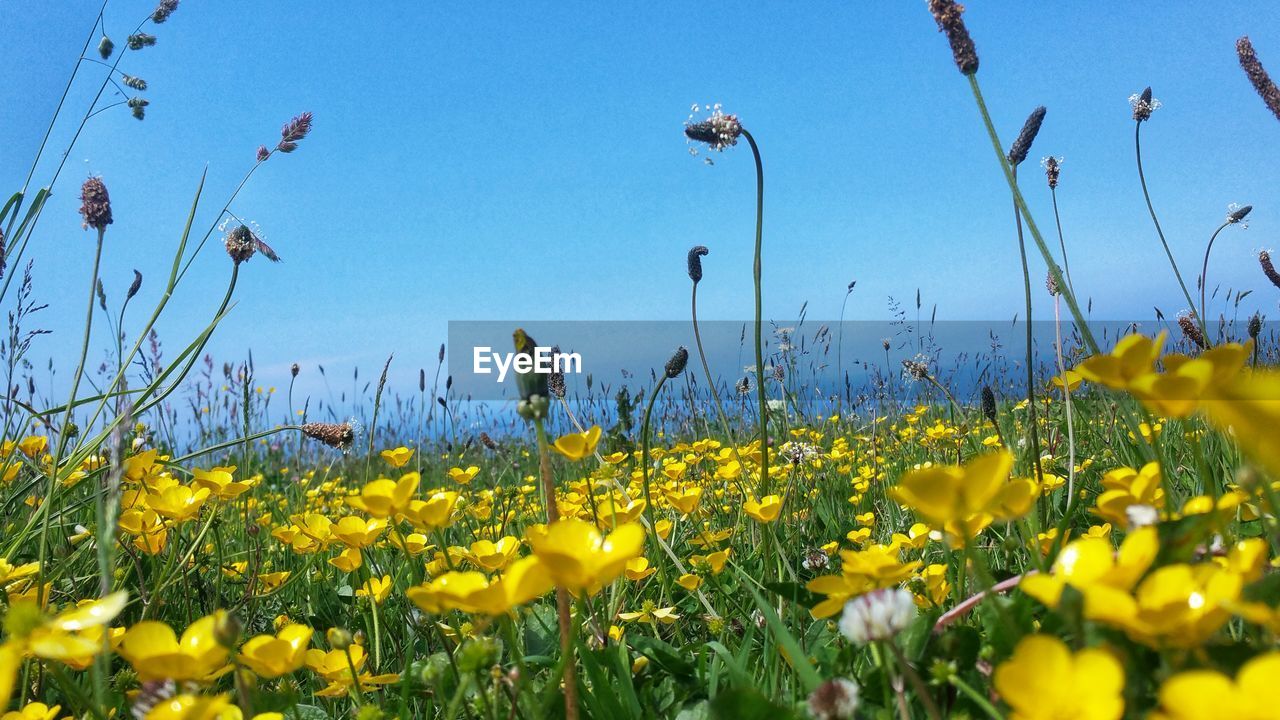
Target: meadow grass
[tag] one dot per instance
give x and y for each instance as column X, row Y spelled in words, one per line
column 1089, row 533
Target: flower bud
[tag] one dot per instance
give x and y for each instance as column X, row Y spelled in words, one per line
column 338, row 638
column 677, row 363
column 95, row 204
column 695, row 262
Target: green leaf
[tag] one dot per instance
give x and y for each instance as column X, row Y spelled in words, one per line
column 794, row 592
column 796, row 655
column 666, row 658
column 745, row 703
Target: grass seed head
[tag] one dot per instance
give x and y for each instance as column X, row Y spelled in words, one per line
column 695, row 262
column 1022, row 144
column 95, row 204
column 1262, row 82
column 947, row 13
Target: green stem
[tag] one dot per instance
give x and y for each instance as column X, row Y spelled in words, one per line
column 1204, row 282
column 1032, row 423
column 1142, row 179
column 759, row 340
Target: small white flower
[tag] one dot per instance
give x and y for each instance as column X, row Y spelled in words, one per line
column 776, row 405
column 1141, row 516
column 835, row 699
column 877, row 615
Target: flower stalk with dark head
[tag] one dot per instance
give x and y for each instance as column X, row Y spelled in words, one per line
column 1236, row 215
column 1258, row 75
column 718, row 132
column 1017, row 154
column 1143, row 105
column 948, row 15
column 696, row 253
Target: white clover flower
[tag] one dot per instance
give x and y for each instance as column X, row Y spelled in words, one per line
column 835, row 699
column 877, row 615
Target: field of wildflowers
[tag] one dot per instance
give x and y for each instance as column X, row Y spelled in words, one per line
column 1095, row 538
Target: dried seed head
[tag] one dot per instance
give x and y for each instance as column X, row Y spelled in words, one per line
column 1264, row 259
column 676, row 364
column 947, row 13
column 240, row 244
column 695, row 262
column 105, row 47
column 1143, row 105
column 916, row 368
column 1262, row 82
column 1051, row 284
column 136, row 83
column 1255, row 326
column 989, row 403
column 1236, row 213
column 138, row 106
column 163, row 11
column 336, row 435
column 294, row 370
column 292, row 132
column 137, row 41
column 95, row 204
column 1052, row 169
column 487, row 441
column 1022, row 144
column 718, row 131
column 743, row 386
column 263, row 153
column 4, row 253
column 1191, row 330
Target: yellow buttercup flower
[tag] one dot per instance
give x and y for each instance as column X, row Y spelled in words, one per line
column 1044, row 680
column 579, row 558
column 463, row 477
column 1209, row 695
column 33, row 711
column 156, row 652
column 221, row 482
column 270, row 656
column 377, row 589
column 383, row 498
column 491, row 556
column 178, row 502
column 765, row 510
column 398, row 457
column 951, row 495
column 358, row 532
column 474, row 592
column 432, row 514
column 577, row 446
column 1104, row 578
column 34, row 446
column 1133, row 356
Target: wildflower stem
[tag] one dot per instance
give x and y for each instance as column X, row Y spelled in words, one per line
column 1142, row 179
column 1085, row 333
column 1204, row 283
column 1032, row 423
column 916, row 682
column 562, row 595
column 1062, row 243
column 976, row 697
column 63, row 436
column 759, row 341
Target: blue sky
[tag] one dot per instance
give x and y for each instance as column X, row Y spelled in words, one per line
column 525, row 160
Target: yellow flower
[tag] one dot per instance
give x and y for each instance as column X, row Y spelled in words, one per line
column 689, row 582
column 1182, row 605
column 947, row 494
column 349, row 560
column 638, row 568
column 1208, row 695
column 397, row 458
column 685, row 501
column 1104, row 579
column 763, row 511
column 649, row 613
column 378, row 589
column 1249, row 409
column 34, row 446
column 577, row 446
column 434, row 513
column 383, row 498
column 1133, row 355
column 220, row 482
column 357, row 532
column 463, row 477
column 1124, row 487
column 33, row 711
column 188, row 706
column 579, row 558
column 1043, row 680
column 178, row 502
column 272, row 581
column 270, row 656
column 490, row 556
column 11, row 574
column 156, row 653
column 473, row 592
